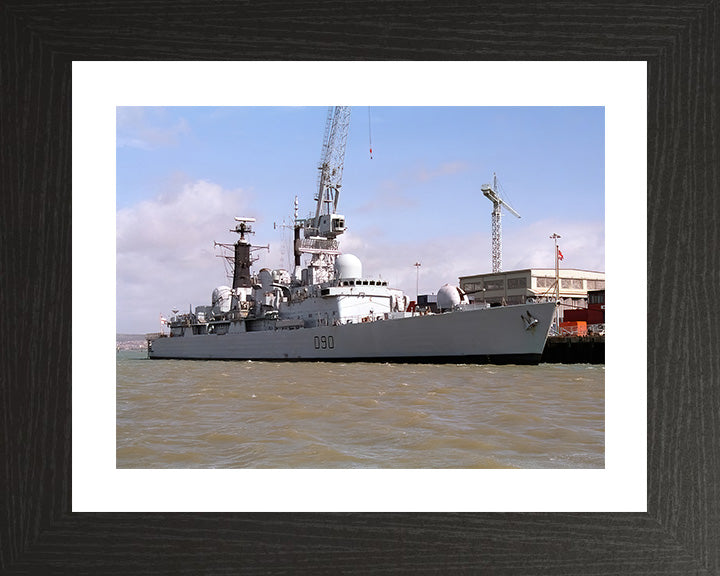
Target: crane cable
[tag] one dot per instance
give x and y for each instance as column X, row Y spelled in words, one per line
column 370, row 132
column 500, row 186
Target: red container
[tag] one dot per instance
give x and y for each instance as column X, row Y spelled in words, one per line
column 576, row 328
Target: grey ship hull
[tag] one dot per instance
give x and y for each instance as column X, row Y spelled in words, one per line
column 489, row 335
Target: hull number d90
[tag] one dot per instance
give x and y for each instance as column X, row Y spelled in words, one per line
column 324, row 342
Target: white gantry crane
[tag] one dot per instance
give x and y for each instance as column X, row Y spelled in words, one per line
column 327, row 223
column 498, row 203
column 321, row 230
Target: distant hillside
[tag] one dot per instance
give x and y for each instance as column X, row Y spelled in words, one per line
column 130, row 341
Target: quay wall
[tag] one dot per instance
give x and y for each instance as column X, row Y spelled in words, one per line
column 574, row 350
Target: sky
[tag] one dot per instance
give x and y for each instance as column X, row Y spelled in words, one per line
column 184, row 173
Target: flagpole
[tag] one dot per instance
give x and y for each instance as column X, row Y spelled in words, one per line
column 417, row 282
column 557, row 283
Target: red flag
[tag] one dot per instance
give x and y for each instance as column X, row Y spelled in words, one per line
column 560, row 256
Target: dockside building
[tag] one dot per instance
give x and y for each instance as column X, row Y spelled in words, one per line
column 519, row 286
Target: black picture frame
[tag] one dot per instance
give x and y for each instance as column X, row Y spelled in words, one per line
column 680, row 533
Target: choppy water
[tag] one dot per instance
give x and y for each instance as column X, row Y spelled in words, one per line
column 206, row 414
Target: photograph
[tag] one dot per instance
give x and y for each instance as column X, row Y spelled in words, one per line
column 360, row 287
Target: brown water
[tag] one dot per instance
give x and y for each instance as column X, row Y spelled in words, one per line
column 207, row 414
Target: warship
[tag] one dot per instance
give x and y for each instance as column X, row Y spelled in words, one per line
column 329, row 310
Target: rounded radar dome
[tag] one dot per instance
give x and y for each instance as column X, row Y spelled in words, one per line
column 348, row 266
column 448, row 296
column 221, row 299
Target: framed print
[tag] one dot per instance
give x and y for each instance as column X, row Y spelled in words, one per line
column 40, row 532
column 612, row 94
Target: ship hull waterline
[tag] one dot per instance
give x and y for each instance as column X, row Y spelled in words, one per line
column 498, row 335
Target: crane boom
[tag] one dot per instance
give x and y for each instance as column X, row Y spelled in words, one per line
column 498, row 203
column 320, row 231
column 326, row 222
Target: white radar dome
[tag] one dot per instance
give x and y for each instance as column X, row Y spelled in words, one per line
column 448, row 296
column 348, row 266
column 221, row 299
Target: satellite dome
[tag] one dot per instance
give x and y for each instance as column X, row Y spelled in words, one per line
column 221, row 299
column 448, row 296
column 348, row 266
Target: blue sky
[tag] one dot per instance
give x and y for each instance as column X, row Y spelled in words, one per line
column 183, row 173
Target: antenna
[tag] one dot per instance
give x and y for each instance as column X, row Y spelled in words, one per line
column 243, row 227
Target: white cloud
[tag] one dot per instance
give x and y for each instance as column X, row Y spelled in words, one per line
column 582, row 245
column 448, row 255
column 165, row 253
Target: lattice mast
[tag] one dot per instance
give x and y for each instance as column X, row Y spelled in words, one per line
column 491, row 193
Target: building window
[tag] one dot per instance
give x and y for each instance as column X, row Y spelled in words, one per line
column 596, row 284
column 496, row 284
column 571, row 283
column 517, row 283
column 596, row 298
column 543, row 282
